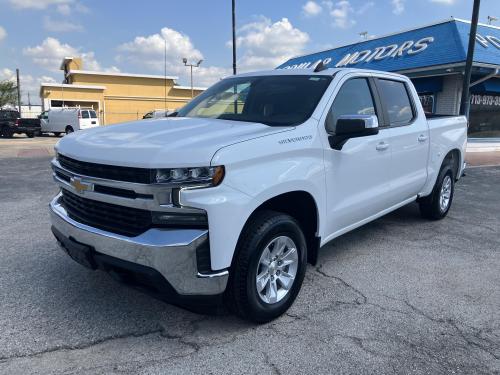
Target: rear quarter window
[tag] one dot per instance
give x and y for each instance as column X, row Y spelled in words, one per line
column 92, row 114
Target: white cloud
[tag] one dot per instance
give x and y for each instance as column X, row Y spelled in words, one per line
column 342, row 14
column 365, row 7
column 149, row 52
column 311, row 8
column 64, row 7
column 265, row 45
column 29, row 84
column 398, row 6
column 50, row 53
column 3, row 33
column 445, row 2
column 60, row 25
column 37, row 4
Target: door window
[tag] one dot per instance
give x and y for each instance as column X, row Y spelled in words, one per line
column 396, row 99
column 353, row 98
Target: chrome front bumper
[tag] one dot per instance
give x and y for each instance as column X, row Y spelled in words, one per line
column 171, row 252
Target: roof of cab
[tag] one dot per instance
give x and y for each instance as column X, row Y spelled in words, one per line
column 326, row 72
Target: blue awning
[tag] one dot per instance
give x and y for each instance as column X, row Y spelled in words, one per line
column 491, row 85
column 428, row 84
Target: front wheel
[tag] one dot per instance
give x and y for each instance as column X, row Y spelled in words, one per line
column 438, row 203
column 69, row 130
column 30, row 135
column 269, row 267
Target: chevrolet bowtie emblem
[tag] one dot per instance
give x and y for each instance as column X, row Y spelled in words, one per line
column 80, row 186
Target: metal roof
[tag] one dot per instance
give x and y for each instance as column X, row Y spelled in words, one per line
column 440, row 44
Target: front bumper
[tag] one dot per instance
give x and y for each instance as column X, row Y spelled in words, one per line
column 170, row 252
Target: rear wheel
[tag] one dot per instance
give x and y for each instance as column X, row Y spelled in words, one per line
column 57, row 134
column 30, row 135
column 69, row 130
column 7, row 132
column 268, row 268
column 438, row 203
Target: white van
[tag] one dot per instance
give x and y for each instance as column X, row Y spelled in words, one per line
column 67, row 120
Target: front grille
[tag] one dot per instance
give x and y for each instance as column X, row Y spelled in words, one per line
column 108, row 172
column 122, row 220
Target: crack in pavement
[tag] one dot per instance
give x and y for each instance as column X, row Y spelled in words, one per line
column 364, row 299
column 482, row 343
column 79, row 346
column 271, row 364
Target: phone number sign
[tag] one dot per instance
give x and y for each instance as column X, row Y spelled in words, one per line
column 488, row 100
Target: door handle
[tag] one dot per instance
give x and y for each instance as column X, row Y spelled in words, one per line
column 422, row 138
column 382, row 146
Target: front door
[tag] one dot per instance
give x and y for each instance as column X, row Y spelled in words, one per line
column 358, row 175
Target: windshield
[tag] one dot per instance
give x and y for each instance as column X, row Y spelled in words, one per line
column 272, row 100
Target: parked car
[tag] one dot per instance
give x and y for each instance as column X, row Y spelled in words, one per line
column 157, row 113
column 239, row 192
column 67, row 120
column 11, row 123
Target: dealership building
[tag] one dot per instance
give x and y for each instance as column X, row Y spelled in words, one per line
column 433, row 56
column 117, row 97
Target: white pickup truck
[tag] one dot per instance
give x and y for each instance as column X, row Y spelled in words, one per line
column 232, row 197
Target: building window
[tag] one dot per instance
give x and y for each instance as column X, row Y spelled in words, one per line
column 427, row 101
column 484, row 118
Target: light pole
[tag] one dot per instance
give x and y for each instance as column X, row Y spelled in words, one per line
column 185, row 61
column 234, row 35
column 465, row 100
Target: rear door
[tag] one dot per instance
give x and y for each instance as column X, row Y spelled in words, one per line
column 358, row 175
column 94, row 121
column 44, row 121
column 85, row 120
column 407, row 134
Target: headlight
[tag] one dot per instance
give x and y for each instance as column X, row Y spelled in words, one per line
column 199, row 176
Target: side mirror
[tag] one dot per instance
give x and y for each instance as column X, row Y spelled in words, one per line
column 352, row 126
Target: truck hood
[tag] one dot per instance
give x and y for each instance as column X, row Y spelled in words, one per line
column 160, row 143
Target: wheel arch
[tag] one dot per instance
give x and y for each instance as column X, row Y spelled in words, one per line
column 454, row 157
column 302, row 206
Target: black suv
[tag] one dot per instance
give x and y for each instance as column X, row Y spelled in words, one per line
column 11, row 123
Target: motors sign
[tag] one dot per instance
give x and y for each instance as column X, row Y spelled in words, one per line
column 407, row 48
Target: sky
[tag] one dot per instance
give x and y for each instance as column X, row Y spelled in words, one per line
column 130, row 36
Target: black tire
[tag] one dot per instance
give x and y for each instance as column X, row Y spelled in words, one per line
column 69, row 130
column 430, row 206
column 242, row 296
column 57, row 134
column 30, row 135
column 7, row 132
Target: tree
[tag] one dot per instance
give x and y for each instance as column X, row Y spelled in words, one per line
column 8, row 93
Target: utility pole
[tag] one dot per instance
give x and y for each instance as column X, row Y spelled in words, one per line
column 165, row 83
column 465, row 101
column 234, row 36
column 18, row 92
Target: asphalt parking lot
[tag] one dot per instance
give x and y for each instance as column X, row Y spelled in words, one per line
column 400, row 295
